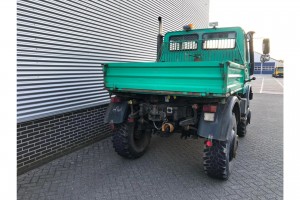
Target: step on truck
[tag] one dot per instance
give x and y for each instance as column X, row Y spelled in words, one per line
column 199, row 86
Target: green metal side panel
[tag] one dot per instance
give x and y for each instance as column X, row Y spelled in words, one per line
column 235, row 77
column 207, row 79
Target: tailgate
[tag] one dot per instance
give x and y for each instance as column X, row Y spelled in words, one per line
column 174, row 78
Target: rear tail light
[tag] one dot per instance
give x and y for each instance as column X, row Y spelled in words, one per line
column 209, row 112
column 210, row 108
column 115, row 99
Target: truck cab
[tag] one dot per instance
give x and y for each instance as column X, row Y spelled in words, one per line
column 218, row 44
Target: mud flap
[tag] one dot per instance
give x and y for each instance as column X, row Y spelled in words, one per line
column 219, row 128
column 116, row 112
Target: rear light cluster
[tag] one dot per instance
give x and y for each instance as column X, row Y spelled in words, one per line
column 210, row 108
column 115, row 99
column 209, row 112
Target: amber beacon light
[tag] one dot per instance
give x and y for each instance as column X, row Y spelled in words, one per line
column 188, row 27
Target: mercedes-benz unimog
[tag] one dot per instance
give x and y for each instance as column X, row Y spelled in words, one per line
column 198, row 86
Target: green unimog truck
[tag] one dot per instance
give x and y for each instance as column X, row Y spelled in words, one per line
column 198, row 86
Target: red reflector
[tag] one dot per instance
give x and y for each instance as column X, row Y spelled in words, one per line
column 112, row 126
column 130, row 120
column 195, row 106
column 115, row 99
column 210, row 108
column 208, row 143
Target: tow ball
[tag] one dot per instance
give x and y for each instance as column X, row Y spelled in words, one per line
column 167, row 128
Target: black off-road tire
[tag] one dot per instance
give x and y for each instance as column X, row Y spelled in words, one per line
column 242, row 128
column 126, row 144
column 218, row 159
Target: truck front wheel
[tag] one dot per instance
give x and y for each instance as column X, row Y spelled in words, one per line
column 129, row 142
column 218, row 158
column 242, row 128
column 242, row 125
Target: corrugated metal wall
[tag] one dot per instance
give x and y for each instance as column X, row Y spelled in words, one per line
column 62, row 43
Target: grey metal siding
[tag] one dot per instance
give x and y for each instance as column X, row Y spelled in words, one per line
column 62, row 43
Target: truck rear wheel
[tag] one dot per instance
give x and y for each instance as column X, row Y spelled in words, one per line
column 218, row 158
column 129, row 142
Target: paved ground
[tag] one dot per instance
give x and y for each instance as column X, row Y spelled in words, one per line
column 267, row 84
column 172, row 168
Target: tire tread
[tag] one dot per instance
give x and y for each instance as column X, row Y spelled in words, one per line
column 214, row 160
column 120, row 140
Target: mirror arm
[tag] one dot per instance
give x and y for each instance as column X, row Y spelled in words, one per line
column 251, row 79
column 251, row 49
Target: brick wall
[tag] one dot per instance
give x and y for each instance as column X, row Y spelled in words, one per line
column 42, row 140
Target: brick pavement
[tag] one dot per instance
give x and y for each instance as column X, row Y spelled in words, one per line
column 171, row 168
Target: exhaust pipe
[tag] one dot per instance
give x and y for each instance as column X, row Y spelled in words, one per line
column 159, row 39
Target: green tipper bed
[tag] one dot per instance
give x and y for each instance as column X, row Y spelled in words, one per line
column 204, row 79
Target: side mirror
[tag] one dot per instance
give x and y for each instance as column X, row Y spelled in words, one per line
column 266, row 46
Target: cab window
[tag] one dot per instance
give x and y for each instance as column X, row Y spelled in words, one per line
column 222, row 40
column 183, row 42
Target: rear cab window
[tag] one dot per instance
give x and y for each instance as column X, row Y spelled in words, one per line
column 221, row 40
column 183, row 42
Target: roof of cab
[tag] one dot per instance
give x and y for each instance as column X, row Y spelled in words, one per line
column 206, row 30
